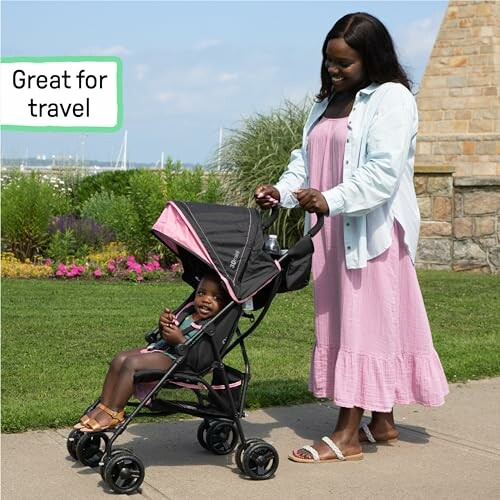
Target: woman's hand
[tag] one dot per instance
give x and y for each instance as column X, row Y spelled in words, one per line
column 266, row 196
column 312, row 200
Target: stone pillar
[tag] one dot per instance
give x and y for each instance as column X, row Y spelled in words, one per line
column 459, row 96
column 434, row 188
column 476, row 224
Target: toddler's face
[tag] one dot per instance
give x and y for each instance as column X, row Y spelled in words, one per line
column 209, row 298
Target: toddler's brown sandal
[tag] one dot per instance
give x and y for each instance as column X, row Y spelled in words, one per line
column 94, row 426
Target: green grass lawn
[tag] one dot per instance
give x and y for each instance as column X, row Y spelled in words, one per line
column 57, row 338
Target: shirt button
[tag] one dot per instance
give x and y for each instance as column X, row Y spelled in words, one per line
column 347, row 162
column 348, row 248
column 348, row 140
column 347, row 223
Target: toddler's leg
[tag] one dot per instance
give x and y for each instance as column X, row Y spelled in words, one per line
column 123, row 387
column 109, row 383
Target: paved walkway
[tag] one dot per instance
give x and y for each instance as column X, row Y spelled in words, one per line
column 451, row 452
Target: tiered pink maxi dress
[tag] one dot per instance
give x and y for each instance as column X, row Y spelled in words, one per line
column 373, row 341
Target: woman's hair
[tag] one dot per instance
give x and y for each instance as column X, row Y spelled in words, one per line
column 370, row 38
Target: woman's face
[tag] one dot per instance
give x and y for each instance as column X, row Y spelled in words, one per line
column 345, row 66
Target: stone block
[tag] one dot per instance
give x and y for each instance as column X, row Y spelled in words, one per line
column 484, row 226
column 423, row 148
column 430, row 229
column 486, row 148
column 468, row 251
column 494, row 258
column 441, row 208
column 481, row 202
column 446, row 148
column 487, row 243
column 469, row 147
column 420, row 183
column 482, row 126
column 471, row 267
column 440, row 184
column 458, row 204
column 434, row 250
column 459, row 126
column 425, row 206
column 489, row 91
column 462, row 227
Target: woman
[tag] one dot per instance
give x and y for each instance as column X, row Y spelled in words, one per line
column 373, row 342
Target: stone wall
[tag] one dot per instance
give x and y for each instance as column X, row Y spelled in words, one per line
column 460, row 221
column 459, row 96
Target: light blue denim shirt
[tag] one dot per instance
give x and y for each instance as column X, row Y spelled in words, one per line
column 378, row 172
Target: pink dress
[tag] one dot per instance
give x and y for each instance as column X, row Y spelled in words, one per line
column 373, row 341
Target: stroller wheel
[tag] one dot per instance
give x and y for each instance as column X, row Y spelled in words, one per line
column 72, row 441
column 222, row 437
column 105, row 459
column 202, row 433
column 260, row 460
column 90, row 448
column 124, row 473
column 241, row 448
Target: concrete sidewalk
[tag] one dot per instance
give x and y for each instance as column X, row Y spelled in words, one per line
column 451, row 452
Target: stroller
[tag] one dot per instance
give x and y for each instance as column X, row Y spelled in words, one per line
column 230, row 241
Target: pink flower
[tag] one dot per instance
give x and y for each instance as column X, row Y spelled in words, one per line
column 97, row 273
column 61, row 267
column 111, row 267
column 59, row 273
column 48, row 262
column 140, row 278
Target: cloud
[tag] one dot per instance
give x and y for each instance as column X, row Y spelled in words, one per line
column 227, row 77
column 419, row 36
column 140, row 71
column 114, row 50
column 207, row 44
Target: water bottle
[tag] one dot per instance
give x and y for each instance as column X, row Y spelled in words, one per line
column 271, row 246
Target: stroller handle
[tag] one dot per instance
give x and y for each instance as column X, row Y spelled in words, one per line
column 317, row 227
column 266, row 224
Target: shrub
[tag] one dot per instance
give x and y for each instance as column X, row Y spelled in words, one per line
column 258, row 153
column 132, row 215
column 28, row 202
column 116, row 182
column 73, row 236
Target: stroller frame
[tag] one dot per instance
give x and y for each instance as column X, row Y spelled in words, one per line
column 221, row 429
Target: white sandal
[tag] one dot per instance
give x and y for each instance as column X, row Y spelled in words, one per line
column 339, row 456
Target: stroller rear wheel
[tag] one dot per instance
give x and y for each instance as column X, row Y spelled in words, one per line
column 260, row 460
column 222, row 437
column 90, row 448
column 124, row 473
column 73, row 438
column 202, row 433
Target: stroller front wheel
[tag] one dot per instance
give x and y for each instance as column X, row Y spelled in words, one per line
column 260, row 460
column 73, row 438
column 124, row 473
column 90, row 448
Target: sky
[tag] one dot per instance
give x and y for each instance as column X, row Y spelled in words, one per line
column 191, row 69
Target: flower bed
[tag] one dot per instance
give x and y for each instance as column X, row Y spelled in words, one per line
column 106, row 265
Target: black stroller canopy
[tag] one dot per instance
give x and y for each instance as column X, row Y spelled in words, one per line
column 227, row 239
